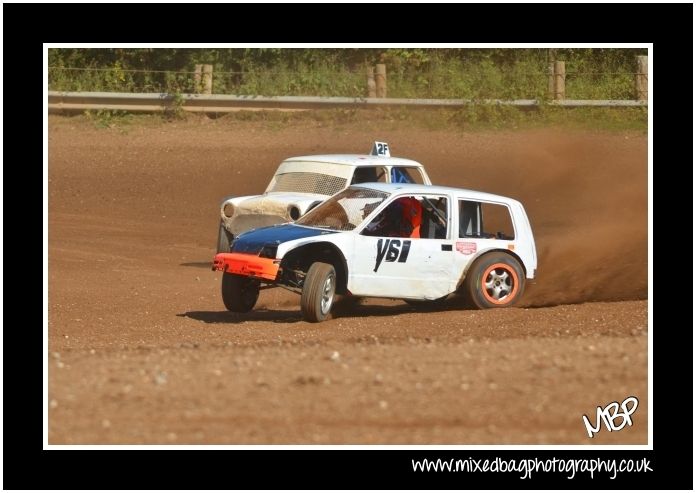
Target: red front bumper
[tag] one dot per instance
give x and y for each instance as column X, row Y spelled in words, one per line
column 247, row 265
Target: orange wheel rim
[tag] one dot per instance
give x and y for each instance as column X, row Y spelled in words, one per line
column 499, row 284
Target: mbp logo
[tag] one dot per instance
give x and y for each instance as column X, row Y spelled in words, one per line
column 392, row 251
column 610, row 413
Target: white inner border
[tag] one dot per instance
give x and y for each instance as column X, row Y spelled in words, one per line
column 47, row 446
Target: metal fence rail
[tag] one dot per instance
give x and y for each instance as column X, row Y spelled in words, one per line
column 222, row 103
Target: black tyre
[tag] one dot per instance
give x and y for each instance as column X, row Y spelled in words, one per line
column 224, row 240
column 318, row 292
column 495, row 280
column 239, row 293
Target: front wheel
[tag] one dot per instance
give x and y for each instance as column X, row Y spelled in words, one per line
column 224, row 240
column 318, row 292
column 239, row 293
column 495, row 280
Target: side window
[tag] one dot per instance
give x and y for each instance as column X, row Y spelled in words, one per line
column 483, row 220
column 434, row 217
column 497, row 222
column 406, row 174
column 367, row 174
column 411, row 217
column 401, row 218
column 469, row 219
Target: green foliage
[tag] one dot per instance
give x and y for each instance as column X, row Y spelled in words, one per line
column 175, row 109
column 301, row 80
column 479, row 73
column 108, row 118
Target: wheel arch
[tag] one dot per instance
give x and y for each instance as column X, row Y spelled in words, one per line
column 485, row 252
column 305, row 255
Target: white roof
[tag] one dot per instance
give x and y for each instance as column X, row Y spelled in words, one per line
column 392, row 188
column 357, row 160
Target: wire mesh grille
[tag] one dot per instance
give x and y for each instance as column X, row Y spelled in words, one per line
column 308, row 183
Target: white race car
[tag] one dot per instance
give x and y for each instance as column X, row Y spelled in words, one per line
column 303, row 182
column 412, row 242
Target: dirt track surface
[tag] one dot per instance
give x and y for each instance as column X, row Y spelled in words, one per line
column 141, row 349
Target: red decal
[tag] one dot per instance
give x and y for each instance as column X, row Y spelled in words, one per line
column 466, row 247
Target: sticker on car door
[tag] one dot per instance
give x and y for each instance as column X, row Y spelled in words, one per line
column 391, row 251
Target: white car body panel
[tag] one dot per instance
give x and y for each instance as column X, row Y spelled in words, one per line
column 274, row 203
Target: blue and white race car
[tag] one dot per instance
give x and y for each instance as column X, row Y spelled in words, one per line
column 404, row 241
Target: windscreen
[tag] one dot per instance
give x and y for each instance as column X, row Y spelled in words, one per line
column 345, row 211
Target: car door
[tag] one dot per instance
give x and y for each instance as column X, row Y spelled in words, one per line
column 394, row 264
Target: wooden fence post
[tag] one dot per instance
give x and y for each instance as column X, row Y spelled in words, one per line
column 381, row 80
column 371, row 86
column 207, row 79
column 551, row 81
column 197, row 79
column 559, row 80
column 642, row 78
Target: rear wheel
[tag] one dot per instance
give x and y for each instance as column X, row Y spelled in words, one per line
column 224, row 240
column 495, row 280
column 318, row 292
column 239, row 293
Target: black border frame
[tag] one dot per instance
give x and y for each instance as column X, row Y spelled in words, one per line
column 309, row 469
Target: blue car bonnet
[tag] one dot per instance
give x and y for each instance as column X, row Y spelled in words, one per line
column 253, row 241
